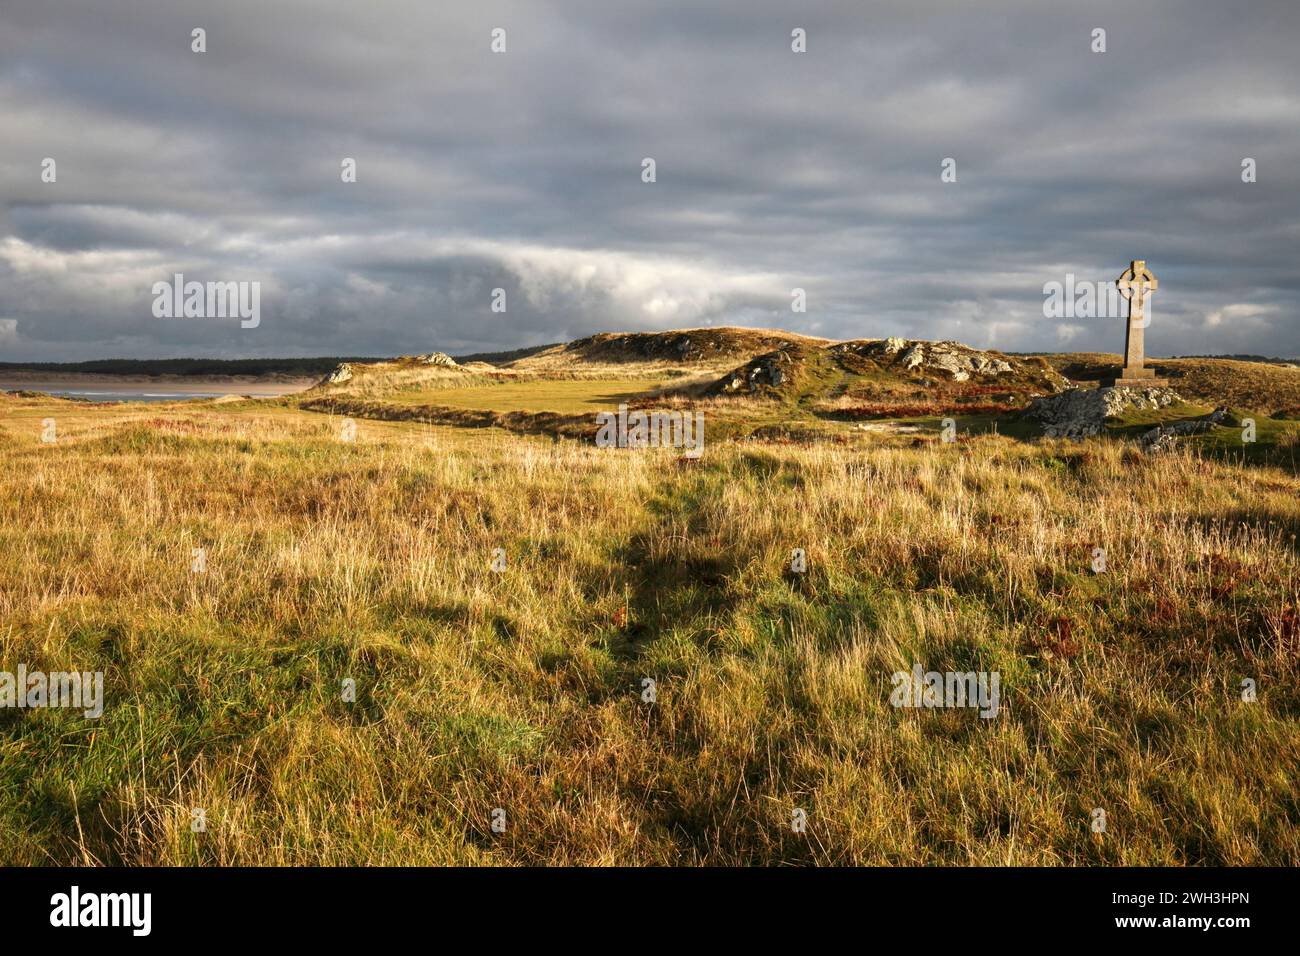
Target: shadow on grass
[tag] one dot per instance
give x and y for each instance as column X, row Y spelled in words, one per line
column 683, row 584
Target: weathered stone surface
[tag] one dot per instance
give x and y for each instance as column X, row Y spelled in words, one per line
column 1165, row 437
column 438, row 358
column 956, row 361
column 1162, row 442
column 1080, row 412
column 959, row 367
column 913, row 357
column 770, row 369
column 340, row 375
column 990, row 366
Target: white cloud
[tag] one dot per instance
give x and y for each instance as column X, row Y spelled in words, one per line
column 1068, row 333
column 1242, row 316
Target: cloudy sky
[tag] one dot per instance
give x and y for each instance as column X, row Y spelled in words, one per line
column 522, row 170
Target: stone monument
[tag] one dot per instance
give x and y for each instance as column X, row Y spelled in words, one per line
column 1135, row 284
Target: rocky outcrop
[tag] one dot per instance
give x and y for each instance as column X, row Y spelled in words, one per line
column 772, row 369
column 438, row 358
column 340, row 375
column 1165, row 437
column 913, row 357
column 1081, row 412
column 958, row 362
column 893, row 366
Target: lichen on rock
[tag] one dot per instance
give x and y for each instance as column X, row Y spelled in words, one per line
column 1081, row 412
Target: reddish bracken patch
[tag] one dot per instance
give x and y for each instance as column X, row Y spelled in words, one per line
column 1166, row 610
column 1222, row 589
column 1288, row 627
column 1057, row 639
column 1228, row 572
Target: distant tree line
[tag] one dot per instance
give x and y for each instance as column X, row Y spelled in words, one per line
column 1241, row 358
column 192, row 366
column 294, row 367
column 500, row 358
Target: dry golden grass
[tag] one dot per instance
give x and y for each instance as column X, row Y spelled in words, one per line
column 522, row 690
column 412, row 384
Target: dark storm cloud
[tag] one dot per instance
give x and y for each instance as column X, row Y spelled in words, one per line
column 522, row 171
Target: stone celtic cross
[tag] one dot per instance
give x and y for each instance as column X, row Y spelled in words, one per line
column 1135, row 284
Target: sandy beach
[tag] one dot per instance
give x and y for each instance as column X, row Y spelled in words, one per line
column 110, row 387
column 168, row 384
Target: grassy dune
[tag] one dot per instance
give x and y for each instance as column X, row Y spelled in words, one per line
column 521, row 690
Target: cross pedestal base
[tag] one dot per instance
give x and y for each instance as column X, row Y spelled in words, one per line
column 1136, row 378
column 1135, row 382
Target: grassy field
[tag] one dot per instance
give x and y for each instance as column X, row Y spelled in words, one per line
column 566, row 396
column 523, row 689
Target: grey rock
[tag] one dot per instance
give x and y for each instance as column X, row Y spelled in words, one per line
column 438, row 358
column 957, row 366
column 913, row 357
column 1164, row 437
column 1163, row 441
column 1081, row 412
column 954, row 360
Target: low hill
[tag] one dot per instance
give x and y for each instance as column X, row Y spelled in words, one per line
column 868, row 378
column 685, row 349
column 650, row 360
